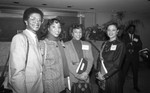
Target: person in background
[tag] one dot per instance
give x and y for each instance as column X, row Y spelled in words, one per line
column 76, row 50
column 112, row 54
column 133, row 45
column 53, row 75
column 25, row 62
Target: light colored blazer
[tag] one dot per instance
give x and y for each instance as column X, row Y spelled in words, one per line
column 21, row 79
column 73, row 57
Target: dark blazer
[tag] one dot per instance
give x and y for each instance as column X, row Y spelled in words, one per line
column 135, row 46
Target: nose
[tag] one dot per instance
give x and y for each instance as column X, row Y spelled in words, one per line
column 59, row 30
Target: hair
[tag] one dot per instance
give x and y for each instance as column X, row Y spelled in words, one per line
column 131, row 25
column 75, row 26
column 45, row 32
column 31, row 10
column 114, row 23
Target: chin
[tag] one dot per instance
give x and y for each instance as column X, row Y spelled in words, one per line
column 36, row 29
column 56, row 35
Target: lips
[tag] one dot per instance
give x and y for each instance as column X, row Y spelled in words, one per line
column 36, row 26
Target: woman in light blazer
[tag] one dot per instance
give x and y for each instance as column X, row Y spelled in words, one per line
column 75, row 50
column 25, row 62
column 53, row 75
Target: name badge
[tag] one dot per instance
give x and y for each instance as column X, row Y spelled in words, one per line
column 85, row 47
column 113, row 47
column 135, row 39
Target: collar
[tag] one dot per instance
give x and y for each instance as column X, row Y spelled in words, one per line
column 33, row 35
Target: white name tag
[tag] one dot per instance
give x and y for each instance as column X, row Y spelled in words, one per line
column 113, row 47
column 135, row 39
column 85, row 47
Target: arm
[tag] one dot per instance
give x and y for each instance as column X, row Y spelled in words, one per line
column 89, row 58
column 117, row 58
column 17, row 63
column 71, row 67
column 137, row 43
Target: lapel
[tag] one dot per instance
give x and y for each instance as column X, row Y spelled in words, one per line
column 34, row 45
column 128, row 38
column 74, row 51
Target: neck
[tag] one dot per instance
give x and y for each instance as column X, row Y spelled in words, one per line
column 51, row 37
column 75, row 39
column 32, row 31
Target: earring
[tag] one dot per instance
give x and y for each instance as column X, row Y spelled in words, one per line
column 26, row 23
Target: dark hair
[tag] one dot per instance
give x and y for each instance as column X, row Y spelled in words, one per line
column 114, row 23
column 131, row 25
column 31, row 10
column 75, row 26
column 44, row 32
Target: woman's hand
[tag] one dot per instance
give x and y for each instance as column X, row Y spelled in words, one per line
column 83, row 76
column 100, row 76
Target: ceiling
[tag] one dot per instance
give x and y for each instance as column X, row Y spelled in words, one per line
column 138, row 6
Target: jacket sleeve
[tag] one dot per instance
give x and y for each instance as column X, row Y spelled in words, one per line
column 17, row 63
column 71, row 67
column 89, row 57
column 137, row 45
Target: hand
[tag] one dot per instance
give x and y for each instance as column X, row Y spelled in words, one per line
column 84, row 76
column 135, row 39
column 100, row 76
column 131, row 43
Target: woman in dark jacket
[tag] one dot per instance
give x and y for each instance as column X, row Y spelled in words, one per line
column 112, row 54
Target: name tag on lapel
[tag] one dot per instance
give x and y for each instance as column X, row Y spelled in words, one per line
column 113, row 47
column 85, row 47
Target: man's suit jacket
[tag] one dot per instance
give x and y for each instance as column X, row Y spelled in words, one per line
column 72, row 58
column 25, row 78
column 135, row 46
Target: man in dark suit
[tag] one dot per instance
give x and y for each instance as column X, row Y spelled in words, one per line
column 133, row 45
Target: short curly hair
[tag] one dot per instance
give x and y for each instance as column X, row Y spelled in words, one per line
column 113, row 23
column 31, row 10
column 75, row 26
column 44, row 32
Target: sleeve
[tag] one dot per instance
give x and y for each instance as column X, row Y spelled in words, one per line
column 89, row 58
column 17, row 63
column 117, row 58
column 137, row 45
column 71, row 67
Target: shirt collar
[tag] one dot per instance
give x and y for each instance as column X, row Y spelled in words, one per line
column 33, row 35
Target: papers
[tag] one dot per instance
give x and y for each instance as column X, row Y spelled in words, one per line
column 82, row 66
column 103, row 68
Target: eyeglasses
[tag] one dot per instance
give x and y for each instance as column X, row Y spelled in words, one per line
column 33, row 19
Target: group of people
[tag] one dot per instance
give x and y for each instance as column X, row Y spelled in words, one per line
column 43, row 66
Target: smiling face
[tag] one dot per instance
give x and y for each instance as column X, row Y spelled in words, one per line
column 55, row 29
column 77, row 33
column 112, row 32
column 34, row 22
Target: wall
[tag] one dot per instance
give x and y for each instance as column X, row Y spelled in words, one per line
column 104, row 17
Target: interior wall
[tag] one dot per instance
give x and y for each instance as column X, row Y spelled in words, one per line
column 89, row 19
column 143, row 31
column 9, row 27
